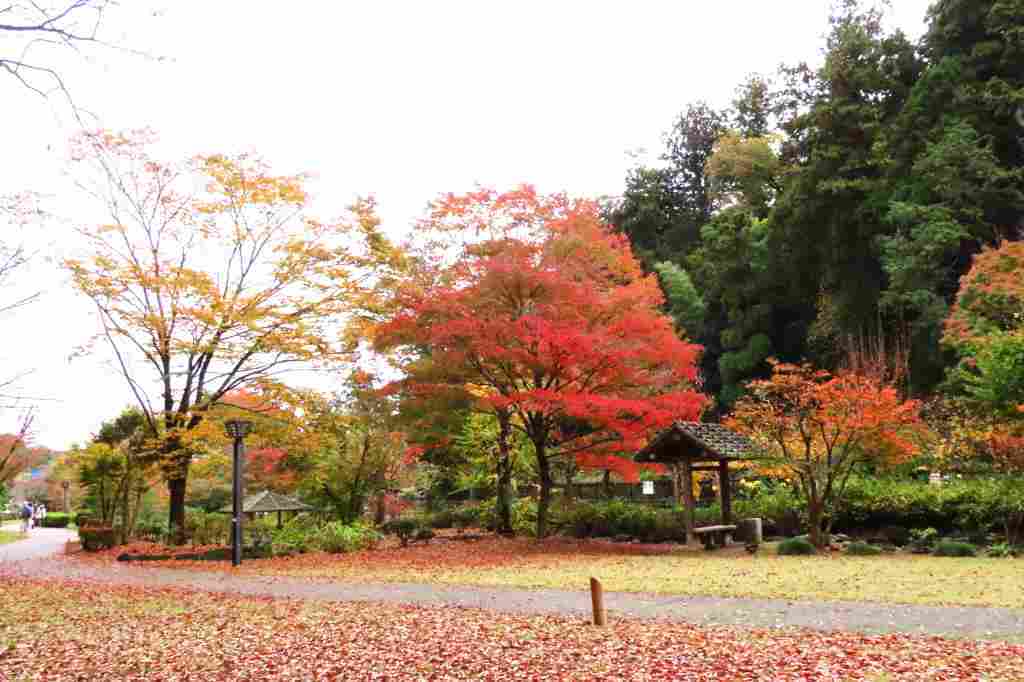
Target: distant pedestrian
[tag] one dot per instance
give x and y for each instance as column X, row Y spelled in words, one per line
column 26, row 517
column 40, row 514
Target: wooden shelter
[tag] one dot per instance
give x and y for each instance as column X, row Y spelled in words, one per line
column 268, row 502
column 696, row 446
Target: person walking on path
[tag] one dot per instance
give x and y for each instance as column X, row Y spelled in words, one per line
column 26, row 517
column 39, row 514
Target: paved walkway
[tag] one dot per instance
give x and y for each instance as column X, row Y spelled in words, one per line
column 41, row 542
column 970, row 622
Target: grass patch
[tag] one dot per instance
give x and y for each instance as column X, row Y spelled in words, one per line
column 892, row 579
column 568, row 564
column 7, row 536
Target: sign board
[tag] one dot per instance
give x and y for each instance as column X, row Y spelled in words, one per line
column 935, row 478
column 648, row 487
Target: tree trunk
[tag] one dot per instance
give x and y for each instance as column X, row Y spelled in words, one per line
column 504, row 477
column 544, row 503
column 125, row 512
column 176, row 520
column 815, row 516
column 606, row 480
column 133, row 520
column 126, row 490
column 1014, row 525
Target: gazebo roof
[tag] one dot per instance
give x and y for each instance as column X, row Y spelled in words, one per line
column 713, row 441
column 268, row 501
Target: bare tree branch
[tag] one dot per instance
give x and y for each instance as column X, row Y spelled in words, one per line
column 36, row 34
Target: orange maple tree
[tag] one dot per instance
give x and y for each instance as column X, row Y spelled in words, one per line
column 814, row 427
column 990, row 299
column 17, row 454
column 210, row 276
column 532, row 309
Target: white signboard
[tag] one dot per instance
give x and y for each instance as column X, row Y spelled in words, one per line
column 648, row 487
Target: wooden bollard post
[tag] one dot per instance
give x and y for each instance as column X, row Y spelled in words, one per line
column 597, row 601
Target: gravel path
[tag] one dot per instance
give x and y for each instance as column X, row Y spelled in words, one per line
column 969, row 622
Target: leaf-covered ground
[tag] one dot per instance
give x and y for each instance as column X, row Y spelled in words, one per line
column 64, row 630
column 568, row 564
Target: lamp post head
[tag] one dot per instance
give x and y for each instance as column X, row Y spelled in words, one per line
column 237, row 428
column 65, row 484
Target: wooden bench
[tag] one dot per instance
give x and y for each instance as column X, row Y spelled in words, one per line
column 714, row 536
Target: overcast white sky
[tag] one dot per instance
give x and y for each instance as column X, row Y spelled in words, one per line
column 400, row 99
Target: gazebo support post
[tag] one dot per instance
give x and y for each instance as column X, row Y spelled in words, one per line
column 725, row 492
column 279, row 519
column 688, row 502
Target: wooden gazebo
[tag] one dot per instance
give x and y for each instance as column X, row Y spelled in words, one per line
column 267, row 502
column 697, row 446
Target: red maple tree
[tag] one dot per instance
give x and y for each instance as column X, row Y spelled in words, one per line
column 534, row 310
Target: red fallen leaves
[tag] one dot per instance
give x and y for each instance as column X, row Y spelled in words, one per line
column 445, row 552
column 66, row 630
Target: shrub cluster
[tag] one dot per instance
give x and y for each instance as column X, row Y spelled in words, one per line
column 862, row 549
column 894, row 506
column 960, row 505
column 484, row 515
column 410, row 529
column 617, row 518
column 207, row 528
column 952, row 548
column 306, row 534
column 796, row 547
column 56, row 520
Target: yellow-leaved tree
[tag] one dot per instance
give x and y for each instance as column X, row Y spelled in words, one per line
column 209, row 275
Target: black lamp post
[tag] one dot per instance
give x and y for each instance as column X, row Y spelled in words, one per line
column 237, row 429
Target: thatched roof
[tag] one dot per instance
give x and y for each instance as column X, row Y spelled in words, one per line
column 696, row 440
column 268, row 501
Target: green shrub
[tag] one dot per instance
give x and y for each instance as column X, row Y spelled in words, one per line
column 207, row 528
column 485, row 515
column 405, row 527
column 464, row 517
column 441, row 519
column 622, row 519
column 862, row 549
column 796, row 547
column 1003, row 550
column 924, row 538
column 826, row 537
column 297, row 536
column 151, row 529
column 56, row 520
column 952, row 548
column 95, row 538
column 337, row 538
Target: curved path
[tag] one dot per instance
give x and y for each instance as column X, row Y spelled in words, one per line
column 969, row 622
column 39, row 543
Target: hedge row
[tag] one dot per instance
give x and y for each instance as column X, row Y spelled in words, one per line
column 960, row 505
column 56, row 520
